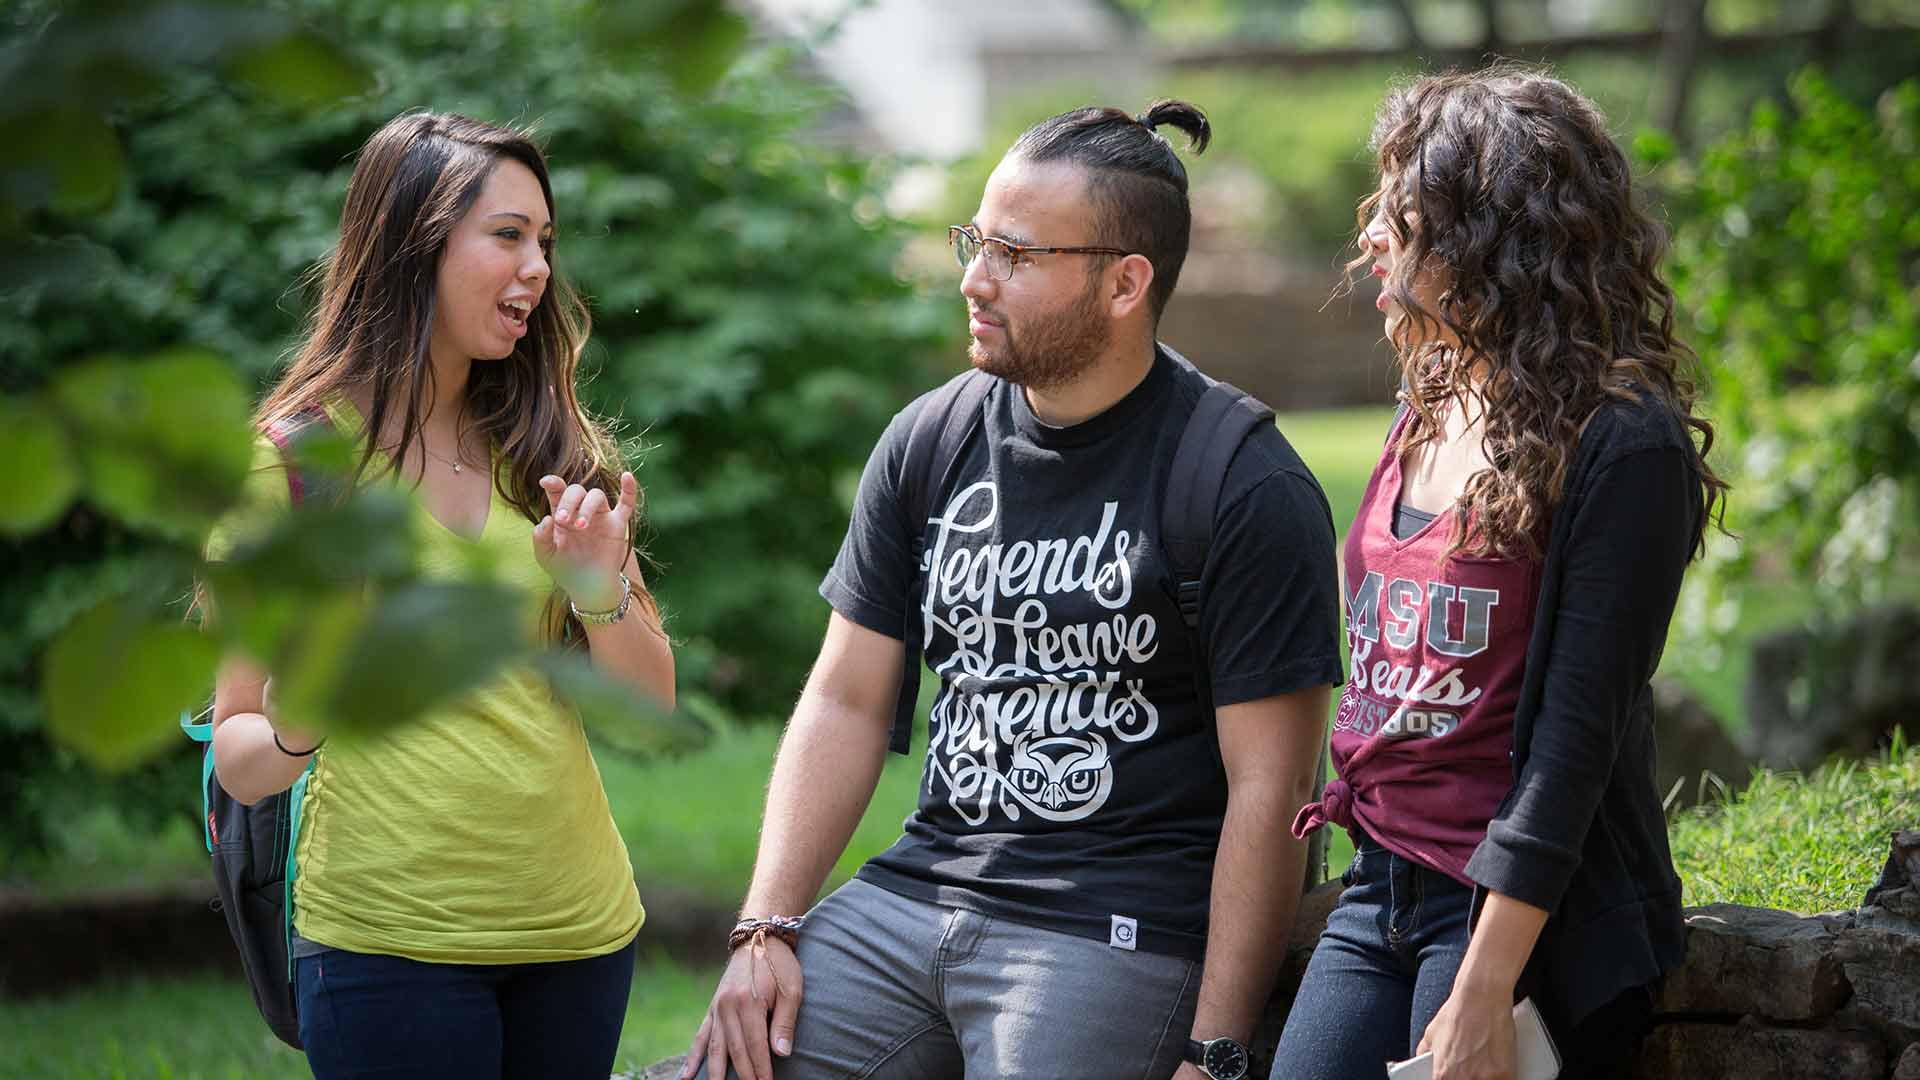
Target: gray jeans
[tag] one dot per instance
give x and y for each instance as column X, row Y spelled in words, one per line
column 901, row 989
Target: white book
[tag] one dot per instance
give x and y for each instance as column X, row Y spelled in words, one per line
column 1534, row 1056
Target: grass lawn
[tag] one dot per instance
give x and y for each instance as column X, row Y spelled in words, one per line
column 205, row 1028
column 1341, row 447
column 1804, row 844
column 200, row 1028
column 693, row 822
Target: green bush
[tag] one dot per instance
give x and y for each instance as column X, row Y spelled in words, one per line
column 1796, row 261
column 750, row 328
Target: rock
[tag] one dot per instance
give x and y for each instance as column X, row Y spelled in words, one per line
column 1909, row 1066
column 1757, row 960
column 1689, row 744
column 1744, row 1051
column 1838, row 689
column 1883, row 967
column 1902, row 870
column 1893, row 903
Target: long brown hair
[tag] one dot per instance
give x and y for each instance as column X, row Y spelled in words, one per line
column 1506, row 182
column 415, row 179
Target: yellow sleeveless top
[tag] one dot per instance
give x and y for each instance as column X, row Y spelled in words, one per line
column 480, row 833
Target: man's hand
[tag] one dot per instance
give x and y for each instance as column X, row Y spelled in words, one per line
column 1472, row 1036
column 1189, row 1071
column 760, row 978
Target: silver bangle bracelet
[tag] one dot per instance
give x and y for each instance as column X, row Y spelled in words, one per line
column 611, row 615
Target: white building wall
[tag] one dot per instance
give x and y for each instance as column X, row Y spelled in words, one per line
column 926, row 74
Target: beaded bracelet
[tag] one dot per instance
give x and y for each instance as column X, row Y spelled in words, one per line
column 784, row 927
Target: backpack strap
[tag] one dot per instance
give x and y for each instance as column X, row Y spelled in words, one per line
column 199, row 728
column 934, row 445
column 1222, row 419
column 288, row 436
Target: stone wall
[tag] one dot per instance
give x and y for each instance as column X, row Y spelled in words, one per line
column 1769, row 993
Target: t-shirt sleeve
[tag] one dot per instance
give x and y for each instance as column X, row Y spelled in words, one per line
column 1270, row 593
column 263, row 497
column 870, row 577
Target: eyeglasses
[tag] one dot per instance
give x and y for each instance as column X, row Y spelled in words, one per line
column 1002, row 254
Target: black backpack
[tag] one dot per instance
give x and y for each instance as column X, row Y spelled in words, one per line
column 1222, row 420
column 252, row 846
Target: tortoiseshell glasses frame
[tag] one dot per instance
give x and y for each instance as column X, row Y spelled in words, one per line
column 1003, row 255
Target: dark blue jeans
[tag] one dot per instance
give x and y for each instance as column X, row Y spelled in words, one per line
column 1386, row 964
column 1381, row 971
column 371, row 1016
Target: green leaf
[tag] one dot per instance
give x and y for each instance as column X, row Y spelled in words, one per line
column 412, row 649
column 301, row 71
column 615, row 716
column 63, row 157
column 309, row 656
column 115, row 681
column 293, row 562
column 166, row 441
column 41, row 474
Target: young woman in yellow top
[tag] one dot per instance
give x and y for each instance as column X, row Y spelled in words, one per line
column 464, row 905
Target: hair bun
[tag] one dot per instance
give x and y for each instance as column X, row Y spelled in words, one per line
column 1181, row 114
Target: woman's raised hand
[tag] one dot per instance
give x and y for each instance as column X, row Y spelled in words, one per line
column 583, row 543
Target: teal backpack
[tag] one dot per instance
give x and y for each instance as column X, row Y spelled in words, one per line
column 252, row 846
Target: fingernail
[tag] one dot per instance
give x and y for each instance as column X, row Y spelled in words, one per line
column 783, row 1044
column 579, row 523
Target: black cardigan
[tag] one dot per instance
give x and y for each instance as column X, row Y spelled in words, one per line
column 1582, row 833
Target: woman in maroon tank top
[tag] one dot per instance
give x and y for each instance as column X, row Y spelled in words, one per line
column 1509, row 575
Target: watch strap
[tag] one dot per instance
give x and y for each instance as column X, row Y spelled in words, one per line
column 1197, row 1055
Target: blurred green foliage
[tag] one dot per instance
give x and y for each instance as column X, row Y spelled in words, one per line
column 1796, row 260
column 185, row 167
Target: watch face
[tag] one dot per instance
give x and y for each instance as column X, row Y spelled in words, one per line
column 1225, row 1060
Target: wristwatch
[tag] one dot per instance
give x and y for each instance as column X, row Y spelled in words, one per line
column 1222, row 1058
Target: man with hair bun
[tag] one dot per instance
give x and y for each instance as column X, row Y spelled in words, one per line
column 1097, row 881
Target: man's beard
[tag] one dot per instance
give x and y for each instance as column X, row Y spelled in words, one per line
column 1053, row 349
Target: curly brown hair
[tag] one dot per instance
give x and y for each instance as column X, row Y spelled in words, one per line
column 1505, row 186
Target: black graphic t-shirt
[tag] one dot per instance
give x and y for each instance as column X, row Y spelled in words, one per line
column 1071, row 779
